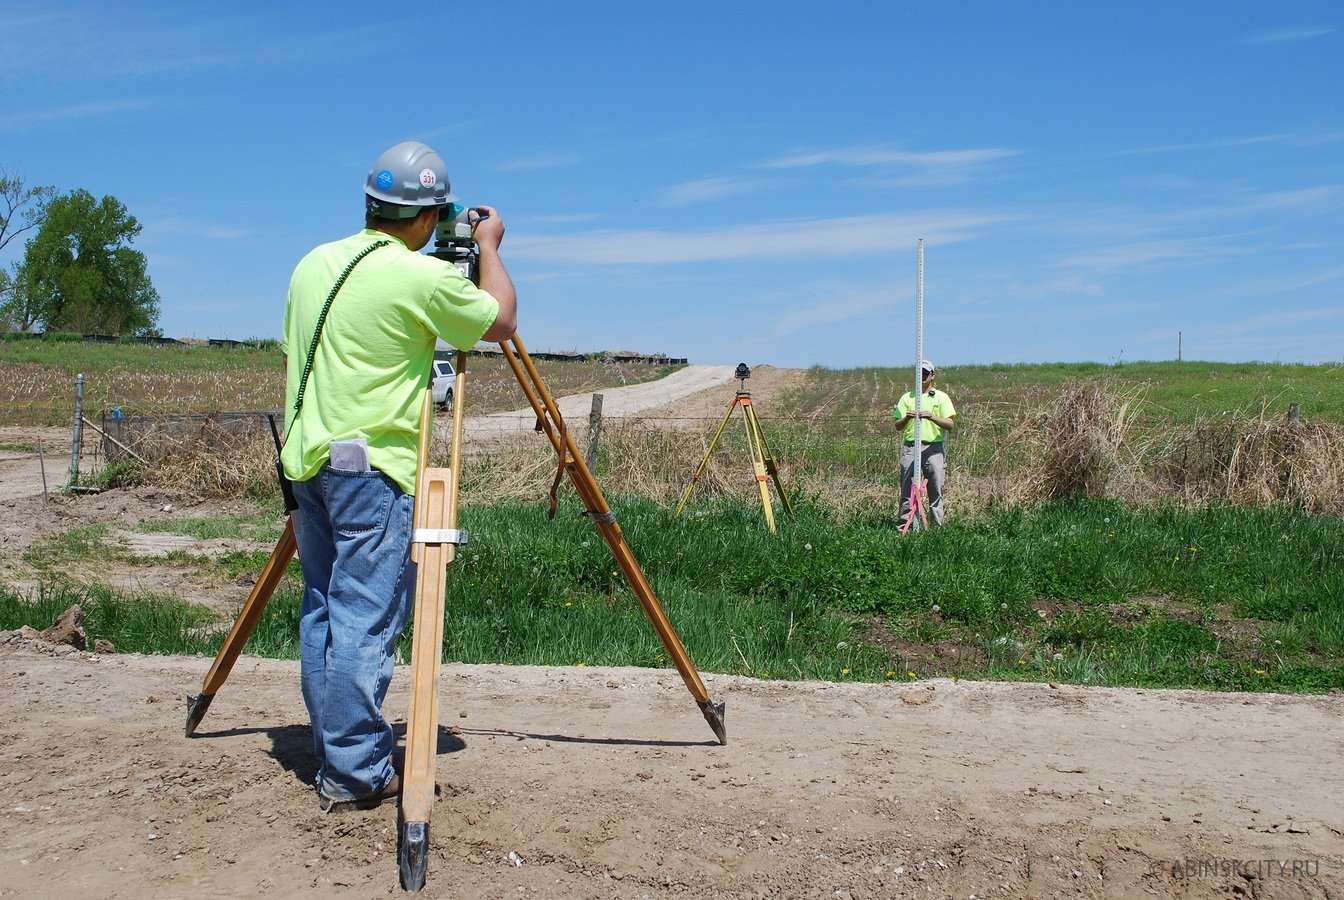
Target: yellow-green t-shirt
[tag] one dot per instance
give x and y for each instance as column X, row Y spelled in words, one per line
column 936, row 402
column 376, row 352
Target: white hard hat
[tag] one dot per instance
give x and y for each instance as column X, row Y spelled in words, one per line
column 404, row 179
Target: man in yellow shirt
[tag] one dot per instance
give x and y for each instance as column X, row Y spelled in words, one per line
column 364, row 315
column 936, row 415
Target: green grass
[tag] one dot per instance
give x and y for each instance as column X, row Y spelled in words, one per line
column 1172, row 391
column 144, row 624
column 1082, row 591
column 1079, row 591
column 242, row 526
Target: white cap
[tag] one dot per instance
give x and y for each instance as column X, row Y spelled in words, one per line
column 927, row 366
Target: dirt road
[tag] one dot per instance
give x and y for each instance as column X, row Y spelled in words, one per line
column 630, row 400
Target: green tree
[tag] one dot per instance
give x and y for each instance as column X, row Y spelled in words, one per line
column 21, row 208
column 79, row 273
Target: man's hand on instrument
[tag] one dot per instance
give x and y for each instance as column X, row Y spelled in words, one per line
column 487, row 228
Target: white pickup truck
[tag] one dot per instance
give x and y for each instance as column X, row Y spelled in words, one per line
column 443, row 384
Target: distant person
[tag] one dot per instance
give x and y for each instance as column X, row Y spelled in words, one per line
column 936, row 414
column 358, row 360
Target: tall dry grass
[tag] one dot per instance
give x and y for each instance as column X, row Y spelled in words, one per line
column 1085, row 440
column 1259, row 462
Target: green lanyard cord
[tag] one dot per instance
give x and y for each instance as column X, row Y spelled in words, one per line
column 321, row 320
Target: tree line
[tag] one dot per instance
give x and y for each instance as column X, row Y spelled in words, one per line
column 78, row 271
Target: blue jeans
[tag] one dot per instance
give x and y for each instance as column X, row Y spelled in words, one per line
column 354, row 537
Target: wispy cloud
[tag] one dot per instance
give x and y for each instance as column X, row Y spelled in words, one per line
column 75, row 112
column 137, row 47
column 892, row 167
column 828, row 312
column 539, row 162
column 793, row 238
column 191, row 229
column 1147, row 253
column 705, row 190
column 1300, row 198
column 562, row 219
column 1286, row 35
column 1206, row 145
column 870, row 157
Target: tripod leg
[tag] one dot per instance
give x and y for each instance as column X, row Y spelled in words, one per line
column 769, row 458
column 758, row 461
column 422, row 722
column 435, row 541
column 548, row 415
column 700, row 470
column 247, row 620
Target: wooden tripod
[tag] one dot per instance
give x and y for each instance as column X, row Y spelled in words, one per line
column 434, row 543
column 762, row 460
column 433, row 547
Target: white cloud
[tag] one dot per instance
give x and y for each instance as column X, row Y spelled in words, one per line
column 791, row 238
column 1139, row 254
column 873, row 157
column 539, row 162
column 1206, row 145
column 1286, row 35
column 190, row 229
column 118, row 44
column 705, row 190
column 75, row 112
column 830, row 309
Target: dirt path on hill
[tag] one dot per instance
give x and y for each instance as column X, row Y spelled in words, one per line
column 689, row 395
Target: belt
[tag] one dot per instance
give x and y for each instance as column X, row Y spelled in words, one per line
column 926, row 443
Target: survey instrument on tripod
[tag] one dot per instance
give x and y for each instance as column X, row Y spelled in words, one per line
column 762, row 460
column 434, row 541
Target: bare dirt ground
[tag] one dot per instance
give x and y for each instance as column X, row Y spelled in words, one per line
column 607, row 783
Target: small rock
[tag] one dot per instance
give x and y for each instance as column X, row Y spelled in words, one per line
column 68, row 629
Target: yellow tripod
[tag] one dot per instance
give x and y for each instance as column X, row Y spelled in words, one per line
column 762, row 460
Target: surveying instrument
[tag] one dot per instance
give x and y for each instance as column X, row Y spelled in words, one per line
column 919, row 494
column 434, row 542
column 762, row 460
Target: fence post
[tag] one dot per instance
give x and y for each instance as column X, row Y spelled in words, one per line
column 594, row 431
column 79, row 427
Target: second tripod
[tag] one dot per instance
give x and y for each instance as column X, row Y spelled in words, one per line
column 762, row 460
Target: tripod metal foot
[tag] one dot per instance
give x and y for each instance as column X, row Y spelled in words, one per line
column 197, row 704
column 714, row 713
column 413, row 855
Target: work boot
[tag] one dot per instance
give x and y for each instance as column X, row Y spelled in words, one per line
column 389, row 791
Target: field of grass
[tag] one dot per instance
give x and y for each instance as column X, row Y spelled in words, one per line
column 1078, row 591
column 37, row 380
column 1150, row 524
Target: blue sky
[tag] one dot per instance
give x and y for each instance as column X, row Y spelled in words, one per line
column 736, row 181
